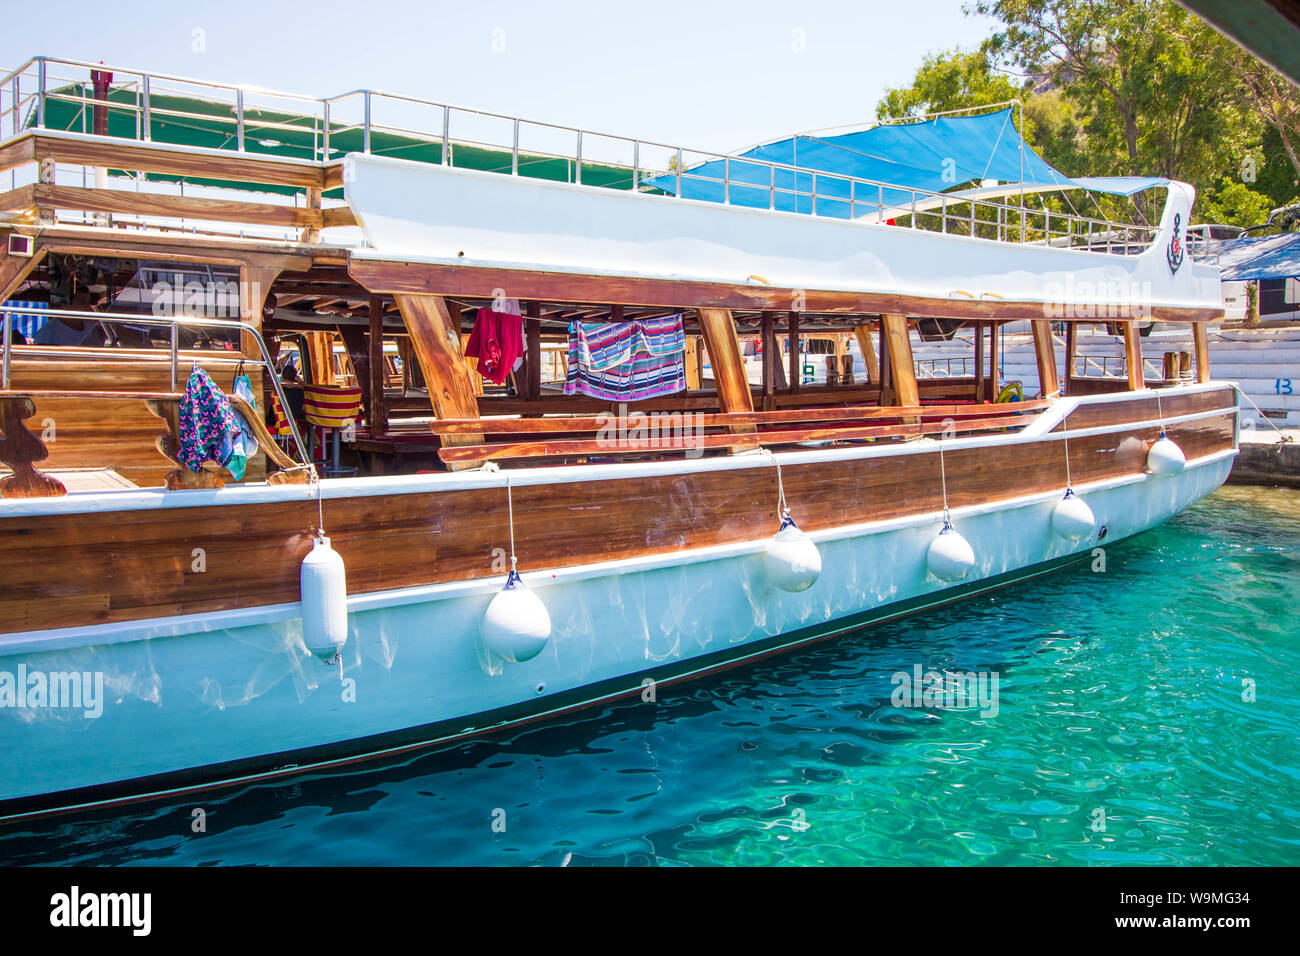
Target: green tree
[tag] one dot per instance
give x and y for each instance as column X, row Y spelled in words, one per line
column 948, row 81
column 1157, row 89
column 1232, row 201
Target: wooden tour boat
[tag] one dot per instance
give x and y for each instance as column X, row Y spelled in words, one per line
column 171, row 603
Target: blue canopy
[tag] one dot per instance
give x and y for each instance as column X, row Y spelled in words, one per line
column 1260, row 257
column 934, row 155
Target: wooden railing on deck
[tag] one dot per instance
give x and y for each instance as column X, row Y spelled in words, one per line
column 672, row 432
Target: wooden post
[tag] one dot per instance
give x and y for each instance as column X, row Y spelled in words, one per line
column 1071, row 346
column 994, row 362
column 1045, row 355
column 354, row 340
column 255, row 283
column 1201, row 344
column 321, row 345
column 770, row 361
column 886, row 374
column 471, row 364
column 871, row 367
column 406, row 353
column 1133, row 356
column 979, row 361
column 378, row 408
column 901, row 366
column 1169, row 368
column 728, row 365
column 694, row 364
column 533, row 330
column 435, row 339
column 796, row 373
column 311, row 234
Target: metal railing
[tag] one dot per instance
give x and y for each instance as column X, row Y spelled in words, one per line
column 931, row 368
column 1109, row 366
column 172, row 358
column 251, row 117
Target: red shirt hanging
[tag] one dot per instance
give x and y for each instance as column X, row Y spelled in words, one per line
column 497, row 341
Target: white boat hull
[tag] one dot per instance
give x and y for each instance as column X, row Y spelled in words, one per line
column 237, row 693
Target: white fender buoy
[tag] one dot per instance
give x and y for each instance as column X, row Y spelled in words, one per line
column 950, row 557
column 1165, row 457
column 323, row 590
column 516, row 626
column 792, row 560
column 1072, row 519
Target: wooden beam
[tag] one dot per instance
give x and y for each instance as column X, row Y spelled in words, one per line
column 902, row 368
column 1071, row 347
column 194, row 162
column 391, row 277
column 584, row 446
column 728, row 365
column 1133, row 356
column 796, row 373
column 694, row 364
column 14, row 271
column 471, row 363
column 321, row 346
column 730, row 382
column 255, row 283
column 771, row 360
column 311, row 232
column 841, row 413
column 205, row 250
column 378, row 410
column 20, row 152
column 22, row 199
column 863, row 334
column 1201, row 345
column 435, row 339
column 333, row 178
column 886, row 375
column 337, row 216
column 354, row 340
column 533, row 332
column 995, row 362
column 1045, row 355
column 48, row 195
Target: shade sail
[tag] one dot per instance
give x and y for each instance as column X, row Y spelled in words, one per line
column 1260, row 257
column 934, row 156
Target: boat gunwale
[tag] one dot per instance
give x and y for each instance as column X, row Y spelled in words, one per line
column 1038, row 429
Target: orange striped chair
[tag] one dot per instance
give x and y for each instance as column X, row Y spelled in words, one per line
column 281, row 427
column 331, row 408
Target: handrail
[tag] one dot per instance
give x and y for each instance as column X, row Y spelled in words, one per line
column 173, row 322
column 829, row 194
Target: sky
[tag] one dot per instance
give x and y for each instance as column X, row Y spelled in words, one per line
column 717, row 75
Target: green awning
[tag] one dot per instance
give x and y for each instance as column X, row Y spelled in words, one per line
column 210, row 124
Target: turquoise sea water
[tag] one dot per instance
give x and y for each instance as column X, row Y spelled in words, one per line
column 1120, row 693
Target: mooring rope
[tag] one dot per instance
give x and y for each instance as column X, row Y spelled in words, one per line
column 510, row 511
column 1282, row 437
column 943, row 479
column 782, row 509
column 314, row 478
column 1065, row 432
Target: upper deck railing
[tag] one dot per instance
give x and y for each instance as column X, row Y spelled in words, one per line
column 322, row 129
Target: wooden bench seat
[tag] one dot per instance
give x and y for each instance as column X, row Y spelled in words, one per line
column 102, row 435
